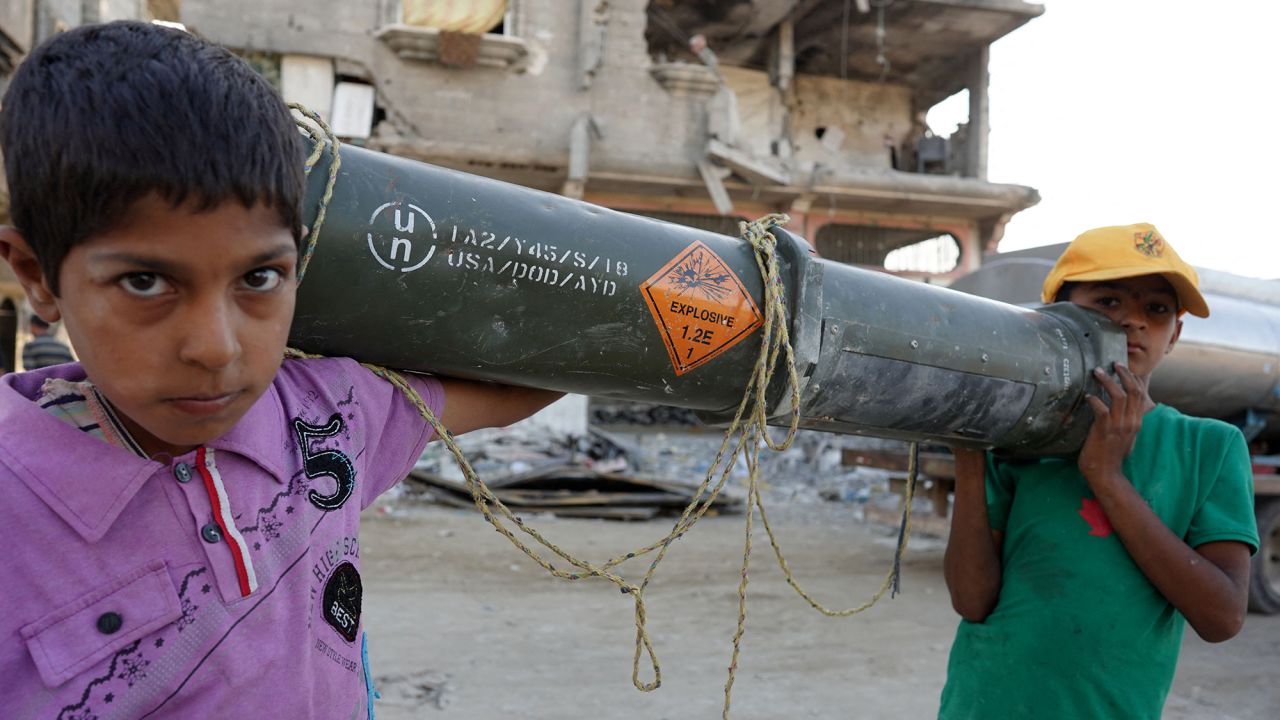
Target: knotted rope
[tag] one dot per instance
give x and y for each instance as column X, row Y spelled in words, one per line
column 746, row 432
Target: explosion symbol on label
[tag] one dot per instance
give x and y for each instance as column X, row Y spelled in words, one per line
column 700, row 307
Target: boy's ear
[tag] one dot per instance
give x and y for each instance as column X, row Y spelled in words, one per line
column 15, row 250
column 1177, row 332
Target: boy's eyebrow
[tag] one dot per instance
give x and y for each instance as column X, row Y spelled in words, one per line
column 168, row 267
column 275, row 253
column 143, row 261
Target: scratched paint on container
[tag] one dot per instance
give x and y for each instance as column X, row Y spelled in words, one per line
column 700, row 306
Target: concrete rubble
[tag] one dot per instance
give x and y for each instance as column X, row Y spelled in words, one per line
column 809, row 473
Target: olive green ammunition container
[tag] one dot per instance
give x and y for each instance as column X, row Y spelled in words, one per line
column 423, row 268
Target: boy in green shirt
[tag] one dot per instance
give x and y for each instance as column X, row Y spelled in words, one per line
column 1074, row 575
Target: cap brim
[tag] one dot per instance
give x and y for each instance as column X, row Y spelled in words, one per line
column 1189, row 297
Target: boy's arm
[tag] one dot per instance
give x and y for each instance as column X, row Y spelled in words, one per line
column 470, row 405
column 971, row 564
column 1209, row 584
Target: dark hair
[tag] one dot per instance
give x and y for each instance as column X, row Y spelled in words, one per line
column 39, row 322
column 100, row 116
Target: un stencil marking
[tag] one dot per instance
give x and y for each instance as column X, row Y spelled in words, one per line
column 396, row 238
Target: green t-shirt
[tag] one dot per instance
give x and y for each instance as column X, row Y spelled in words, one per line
column 1079, row 632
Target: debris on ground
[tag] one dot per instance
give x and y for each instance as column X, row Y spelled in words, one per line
column 601, row 475
column 570, row 490
column 414, row 690
column 638, row 473
column 621, row 413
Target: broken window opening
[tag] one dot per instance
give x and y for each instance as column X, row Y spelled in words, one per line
column 479, row 17
column 945, row 118
column 480, row 33
column 666, row 39
column 936, row 255
column 940, row 150
column 899, row 250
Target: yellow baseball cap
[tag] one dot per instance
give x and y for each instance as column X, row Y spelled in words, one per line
column 1124, row 251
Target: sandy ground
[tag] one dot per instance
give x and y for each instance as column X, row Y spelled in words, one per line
column 450, row 605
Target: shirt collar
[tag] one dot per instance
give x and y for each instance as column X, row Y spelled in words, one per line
column 88, row 482
column 261, row 435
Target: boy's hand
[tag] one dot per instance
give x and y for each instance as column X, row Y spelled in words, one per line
column 1115, row 428
column 1208, row 584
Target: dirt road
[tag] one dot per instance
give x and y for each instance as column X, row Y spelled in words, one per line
column 451, row 606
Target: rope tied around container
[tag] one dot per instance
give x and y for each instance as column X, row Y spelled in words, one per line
column 746, row 432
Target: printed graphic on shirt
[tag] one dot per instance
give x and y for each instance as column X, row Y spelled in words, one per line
column 274, row 519
column 129, row 665
column 342, row 551
column 83, row 710
column 335, row 655
column 1091, row 511
column 325, row 462
column 188, row 606
column 342, row 597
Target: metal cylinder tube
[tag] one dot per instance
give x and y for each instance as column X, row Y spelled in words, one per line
column 429, row 269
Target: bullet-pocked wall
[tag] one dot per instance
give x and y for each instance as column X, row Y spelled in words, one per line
column 512, row 110
column 571, row 96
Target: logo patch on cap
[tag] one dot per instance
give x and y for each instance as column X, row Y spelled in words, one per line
column 1149, row 243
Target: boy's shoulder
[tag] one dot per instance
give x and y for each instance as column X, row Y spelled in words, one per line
column 330, row 402
column 308, row 377
column 1167, row 419
column 342, row 385
column 339, row 396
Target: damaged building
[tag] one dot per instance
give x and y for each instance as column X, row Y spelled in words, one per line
column 702, row 112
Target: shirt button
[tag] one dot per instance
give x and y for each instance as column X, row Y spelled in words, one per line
column 109, row 622
column 211, row 533
column 182, row 472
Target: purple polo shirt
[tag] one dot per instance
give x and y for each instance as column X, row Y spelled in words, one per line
column 224, row 583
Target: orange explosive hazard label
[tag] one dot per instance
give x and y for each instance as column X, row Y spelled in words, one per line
column 700, row 306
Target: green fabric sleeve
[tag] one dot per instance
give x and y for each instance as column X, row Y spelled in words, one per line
column 1000, row 486
column 1226, row 512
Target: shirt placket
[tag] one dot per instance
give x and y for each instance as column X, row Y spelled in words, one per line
column 199, row 477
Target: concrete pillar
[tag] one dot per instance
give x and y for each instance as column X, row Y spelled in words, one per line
column 979, row 110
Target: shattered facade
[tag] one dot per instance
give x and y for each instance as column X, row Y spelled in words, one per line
column 704, row 112
column 814, row 108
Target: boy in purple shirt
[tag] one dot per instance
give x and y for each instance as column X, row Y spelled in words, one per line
column 181, row 508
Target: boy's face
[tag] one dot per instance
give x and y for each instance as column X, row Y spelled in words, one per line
column 1145, row 306
column 180, row 318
